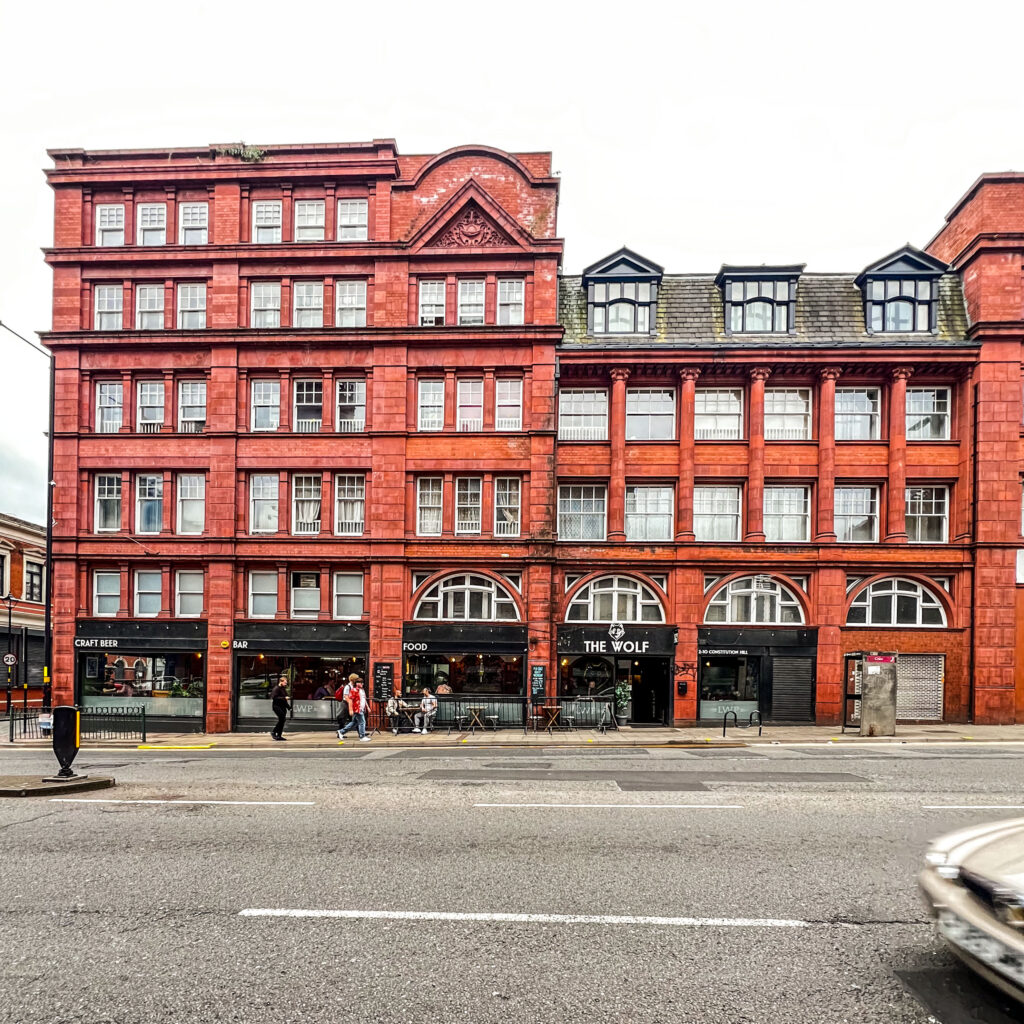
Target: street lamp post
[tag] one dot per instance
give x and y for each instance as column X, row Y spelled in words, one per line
column 10, row 611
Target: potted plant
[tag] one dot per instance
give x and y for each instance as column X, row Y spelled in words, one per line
column 623, row 696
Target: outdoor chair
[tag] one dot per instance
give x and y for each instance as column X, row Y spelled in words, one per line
column 459, row 718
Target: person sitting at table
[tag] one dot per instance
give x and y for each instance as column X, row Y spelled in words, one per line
column 325, row 692
column 443, row 688
column 394, row 716
column 425, row 716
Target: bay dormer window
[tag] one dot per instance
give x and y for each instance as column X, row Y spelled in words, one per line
column 901, row 292
column 622, row 294
column 759, row 300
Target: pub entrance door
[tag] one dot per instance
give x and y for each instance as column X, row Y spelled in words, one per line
column 652, row 697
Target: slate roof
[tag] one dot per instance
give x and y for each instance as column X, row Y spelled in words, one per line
column 829, row 313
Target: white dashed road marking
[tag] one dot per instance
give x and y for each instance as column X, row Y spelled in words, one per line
column 600, row 919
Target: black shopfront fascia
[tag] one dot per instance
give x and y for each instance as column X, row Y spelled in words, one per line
column 455, row 639
column 784, row 654
column 471, row 638
column 618, row 641
column 98, row 637
column 291, row 640
column 301, row 638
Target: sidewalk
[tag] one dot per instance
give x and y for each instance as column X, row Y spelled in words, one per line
column 625, row 737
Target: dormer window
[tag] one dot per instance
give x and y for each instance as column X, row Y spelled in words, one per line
column 622, row 294
column 759, row 300
column 900, row 304
column 901, row 292
column 621, row 307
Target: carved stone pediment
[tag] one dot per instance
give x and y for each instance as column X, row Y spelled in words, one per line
column 470, row 228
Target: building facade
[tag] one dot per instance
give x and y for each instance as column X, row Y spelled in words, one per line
column 22, row 606
column 303, row 421
column 329, row 408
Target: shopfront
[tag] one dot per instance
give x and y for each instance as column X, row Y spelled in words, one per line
column 470, row 659
column 594, row 660
column 747, row 669
column 315, row 658
column 158, row 665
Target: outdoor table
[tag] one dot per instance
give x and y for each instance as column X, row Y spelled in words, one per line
column 407, row 715
column 475, row 711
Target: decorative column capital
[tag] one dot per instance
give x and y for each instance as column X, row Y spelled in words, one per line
column 902, row 373
column 689, row 372
column 832, row 373
column 620, row 373
column 760, row 372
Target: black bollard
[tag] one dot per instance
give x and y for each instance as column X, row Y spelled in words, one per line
column 66, row 740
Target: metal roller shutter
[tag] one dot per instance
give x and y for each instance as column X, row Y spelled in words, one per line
column 919, row 686
column 792, row 689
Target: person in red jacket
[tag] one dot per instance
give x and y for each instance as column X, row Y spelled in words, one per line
column 357, row 702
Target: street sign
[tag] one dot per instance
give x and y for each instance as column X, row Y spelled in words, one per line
column 10, row 660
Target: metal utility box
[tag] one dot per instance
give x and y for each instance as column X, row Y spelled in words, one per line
column 878, row 695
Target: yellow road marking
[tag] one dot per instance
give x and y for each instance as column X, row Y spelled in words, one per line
column 158, row 746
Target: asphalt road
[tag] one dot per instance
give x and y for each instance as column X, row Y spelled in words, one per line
column 786, row 875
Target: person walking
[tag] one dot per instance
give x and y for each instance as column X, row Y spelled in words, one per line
column 356, row 697
column 424, row 718
column 281, row 705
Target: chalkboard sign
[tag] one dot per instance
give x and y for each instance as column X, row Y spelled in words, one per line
column 537, row 680
column 383, row 680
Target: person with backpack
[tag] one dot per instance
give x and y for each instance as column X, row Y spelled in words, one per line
column 341, row 697
column 281, row 706
column 357, row 703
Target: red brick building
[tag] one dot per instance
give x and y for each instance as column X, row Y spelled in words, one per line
column 323, row 408
column 22, row 596
column 304, row 406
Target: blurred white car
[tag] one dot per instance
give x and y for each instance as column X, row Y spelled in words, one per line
column 973, row 884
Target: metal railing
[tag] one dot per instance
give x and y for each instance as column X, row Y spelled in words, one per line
column 471, row 425
column 506, row 528
column 597, row 432
column 308, row 426
column 467, row 712
column 113, row 723
column 191, row 426
column 508, row 423
column 95, row 723
column 349, row 426
column 24, row 725
column 149, row 427
column 717, row 434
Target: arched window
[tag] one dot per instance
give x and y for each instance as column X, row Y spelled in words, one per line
column 615, row 599
column 754, row 600
column 896, row 602
column 467, row 597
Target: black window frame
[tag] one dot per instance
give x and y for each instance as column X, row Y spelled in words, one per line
column 33, row 581
column 621, row 299
column 759, row 285
column 898, row 289
column 620, row 280
column 902, row 277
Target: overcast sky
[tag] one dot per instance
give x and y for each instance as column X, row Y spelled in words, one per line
column 819, row 133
